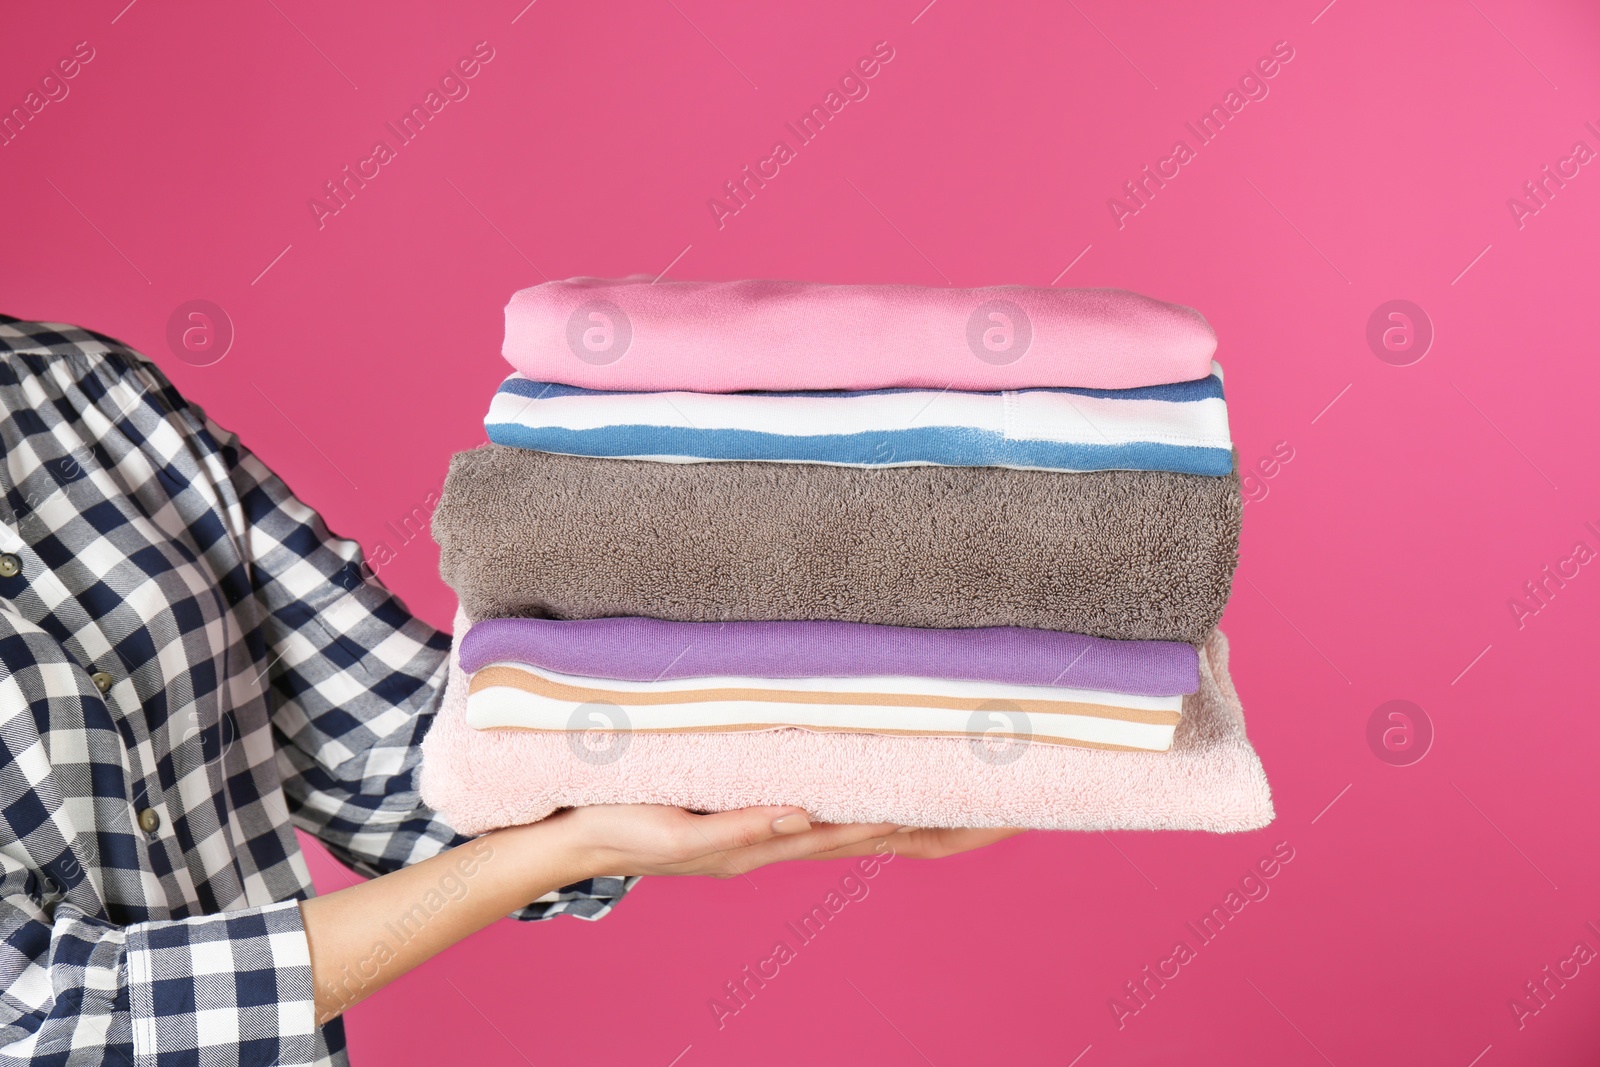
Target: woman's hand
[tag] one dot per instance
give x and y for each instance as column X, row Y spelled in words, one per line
column 354, row 949
column 623, row 839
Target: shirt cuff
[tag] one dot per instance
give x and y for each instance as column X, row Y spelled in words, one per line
column 238, row 983
column 590, row 899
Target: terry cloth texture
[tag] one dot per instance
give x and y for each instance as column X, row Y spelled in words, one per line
column 1179, row 427
column 721, row 337
column 1210, row 780
column 1133, row 555
column 514, row 695
column 651, row 650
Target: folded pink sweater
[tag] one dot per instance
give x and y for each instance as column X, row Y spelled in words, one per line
column 721, row 337
column 1210, row 780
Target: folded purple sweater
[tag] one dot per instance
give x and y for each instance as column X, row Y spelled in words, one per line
column 649, row 650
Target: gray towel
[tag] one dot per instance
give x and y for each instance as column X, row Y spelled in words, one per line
column 1145, row 555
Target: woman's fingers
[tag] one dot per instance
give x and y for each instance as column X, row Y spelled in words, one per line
column 863, row 848
column 659, row 839
column 730, row 831
column 932, row 844
column 789, row 832
column 927, row 844
column 742, row 844
column 825, row 837
column 822, row 837
column 653, row 839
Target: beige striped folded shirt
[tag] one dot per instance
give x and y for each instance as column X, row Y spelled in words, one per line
column 520, row 696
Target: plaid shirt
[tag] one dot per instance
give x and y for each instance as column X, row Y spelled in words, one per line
column 191, row 665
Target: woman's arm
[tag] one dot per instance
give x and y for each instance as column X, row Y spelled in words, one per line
column 364, row 937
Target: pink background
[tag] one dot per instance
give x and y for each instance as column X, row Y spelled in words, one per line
column 1378, row 565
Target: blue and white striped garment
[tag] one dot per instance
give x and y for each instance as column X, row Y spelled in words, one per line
column 1181, row 427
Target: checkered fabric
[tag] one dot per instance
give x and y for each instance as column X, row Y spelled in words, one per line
column 191, row 665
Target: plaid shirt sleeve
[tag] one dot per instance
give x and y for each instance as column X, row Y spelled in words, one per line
column 357, row 681
column 81, row 989
column 155, row 570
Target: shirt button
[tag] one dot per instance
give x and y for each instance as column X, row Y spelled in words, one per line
column 149, row 821
column 10, row 566
column 102, row 681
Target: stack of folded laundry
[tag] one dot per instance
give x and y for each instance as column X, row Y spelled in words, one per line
column 939, row 557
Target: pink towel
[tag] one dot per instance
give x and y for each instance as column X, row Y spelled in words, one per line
column 722, row 337
column 1211, row 779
